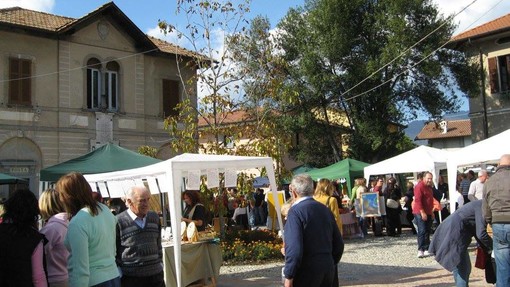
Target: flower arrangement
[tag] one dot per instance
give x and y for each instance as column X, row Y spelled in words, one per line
column 251, row 246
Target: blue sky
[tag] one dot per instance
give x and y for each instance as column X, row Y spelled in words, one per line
column 145, row 14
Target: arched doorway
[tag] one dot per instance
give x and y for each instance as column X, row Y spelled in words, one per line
column 20, row 157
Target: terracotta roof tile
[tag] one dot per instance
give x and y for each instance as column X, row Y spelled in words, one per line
column 33, row 19
column 497, row 25
column 457, row 128
column 167, row 47
column 230, row 118
column 53, row 23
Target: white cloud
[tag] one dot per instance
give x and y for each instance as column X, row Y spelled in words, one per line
column 38, row 5
column 482, row 11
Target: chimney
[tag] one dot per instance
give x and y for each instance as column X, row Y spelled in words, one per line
column 444, row 126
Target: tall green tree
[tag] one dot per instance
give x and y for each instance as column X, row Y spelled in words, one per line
column 380, row 61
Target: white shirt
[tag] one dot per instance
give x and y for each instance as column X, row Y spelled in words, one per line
column 139, row 222
column 475, row 190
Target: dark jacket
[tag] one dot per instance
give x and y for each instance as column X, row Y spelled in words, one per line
column 16, row 256
column 496, row 197
column 313, row 243
column 453, row 236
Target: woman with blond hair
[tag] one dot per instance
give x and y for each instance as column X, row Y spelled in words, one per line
column 323, row 194
column 91, row 237
column 55, row 229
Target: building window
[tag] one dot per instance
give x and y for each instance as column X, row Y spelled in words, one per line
column 93, row 83
column 112, row 85
column 102, row 89
column 20, row 81
column 499, row 74
column 170, row 97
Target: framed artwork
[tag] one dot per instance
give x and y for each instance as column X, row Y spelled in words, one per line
column 357, row 207
column 370, row 205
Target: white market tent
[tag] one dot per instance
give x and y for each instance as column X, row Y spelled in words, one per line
column 486, row 151
column 422, row 158
column 170, row 174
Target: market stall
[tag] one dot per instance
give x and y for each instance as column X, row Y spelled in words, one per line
column 486, row 151
column 170, row 176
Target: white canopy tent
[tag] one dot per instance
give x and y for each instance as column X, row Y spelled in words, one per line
column 422, row 158
column 482, row 152
column 170, row 174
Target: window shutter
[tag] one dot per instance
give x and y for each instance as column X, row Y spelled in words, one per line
column 26, row 88
column 170, row 97
column 20, row 86
column 493, row 75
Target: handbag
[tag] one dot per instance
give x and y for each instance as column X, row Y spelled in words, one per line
column 391, row 203
column 481, row 258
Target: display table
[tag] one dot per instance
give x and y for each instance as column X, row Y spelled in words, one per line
column 350, row 225
column 200, row 261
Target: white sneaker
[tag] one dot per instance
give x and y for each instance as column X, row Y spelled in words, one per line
column 420, row 254
column 426, row 253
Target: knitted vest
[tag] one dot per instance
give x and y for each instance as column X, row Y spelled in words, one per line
column 139, row 252
column 16, row 256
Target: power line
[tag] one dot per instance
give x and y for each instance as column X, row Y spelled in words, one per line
column 419, row 62
column 81, row 67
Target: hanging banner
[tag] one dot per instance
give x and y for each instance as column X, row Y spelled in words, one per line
column 153, row 185
column 103, row 189
column 213, row 178
column 230, row 178
column 193, row 180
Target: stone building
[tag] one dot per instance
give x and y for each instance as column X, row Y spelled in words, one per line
column 70, row 85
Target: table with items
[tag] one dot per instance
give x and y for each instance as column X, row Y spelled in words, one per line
column 199, row 261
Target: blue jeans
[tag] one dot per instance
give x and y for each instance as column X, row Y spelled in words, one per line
column 424, row 230
column 501, row 242
column 462, row 271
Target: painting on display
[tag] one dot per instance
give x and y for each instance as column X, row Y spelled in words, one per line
column 370, row 204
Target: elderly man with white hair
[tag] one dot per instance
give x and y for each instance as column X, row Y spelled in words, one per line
column 476, row 187
column 139, row 251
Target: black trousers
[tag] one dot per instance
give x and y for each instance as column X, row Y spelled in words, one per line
column 146, row 281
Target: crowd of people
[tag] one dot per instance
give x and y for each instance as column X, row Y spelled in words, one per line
column 84, row 242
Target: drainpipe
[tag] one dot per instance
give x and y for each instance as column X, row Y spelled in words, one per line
column 484, row 100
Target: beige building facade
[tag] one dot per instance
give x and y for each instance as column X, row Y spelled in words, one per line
column 489, row 45
column 70, row 85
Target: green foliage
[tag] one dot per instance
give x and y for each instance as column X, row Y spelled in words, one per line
column 376, row 60
column 248, row 246
column 148, row 150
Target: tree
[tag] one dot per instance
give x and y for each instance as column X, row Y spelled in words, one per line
column 210, row 25
column 361, row 56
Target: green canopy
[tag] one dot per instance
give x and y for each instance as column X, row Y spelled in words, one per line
column 107, row 158
column 302, row 169
column 8, row 179
column 349, row 169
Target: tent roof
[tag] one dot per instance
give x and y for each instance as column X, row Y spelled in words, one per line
column 186, row 162
column 422, row 158
column 8, row 179
column 338, row 170
column 107, row 158
column 302, row 169
column 487, row 150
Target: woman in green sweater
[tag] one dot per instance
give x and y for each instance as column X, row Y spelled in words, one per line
column 90, row 237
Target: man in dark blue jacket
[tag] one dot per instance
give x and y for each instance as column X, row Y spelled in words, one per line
column 453, row 236
column 313, row 243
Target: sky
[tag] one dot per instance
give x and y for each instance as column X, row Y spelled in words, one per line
column 146, row 14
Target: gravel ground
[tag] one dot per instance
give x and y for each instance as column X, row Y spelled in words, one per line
column 373, row 261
